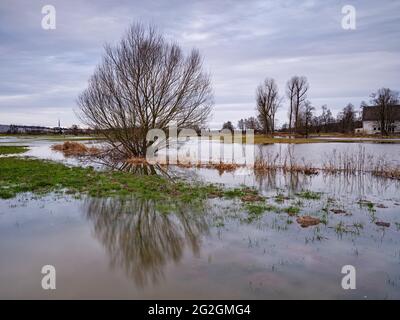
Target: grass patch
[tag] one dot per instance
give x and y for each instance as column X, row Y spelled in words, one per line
column 240, row 192
column 259, row 208
column 309, row 195
column 292, row 210
column 280, row 198
column 12, row 149
column 255, row 210
column 367, row 204
column 41, row 177
column 340, row 228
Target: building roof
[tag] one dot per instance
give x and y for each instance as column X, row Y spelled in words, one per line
column 371, row 113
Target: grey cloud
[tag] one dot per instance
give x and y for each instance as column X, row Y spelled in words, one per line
column 42, row 72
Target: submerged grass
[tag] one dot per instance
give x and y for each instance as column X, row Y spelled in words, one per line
column 259, row 208
column 292, row 210
column 346, row 162
column 38, row 176
column 12, row 149
column 240, row 192
column 309, row 195
column 19, row 175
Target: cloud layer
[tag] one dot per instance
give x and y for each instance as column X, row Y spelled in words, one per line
column 43, row 71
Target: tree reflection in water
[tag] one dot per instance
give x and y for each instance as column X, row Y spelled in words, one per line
column 276, row 180
column 142, row 240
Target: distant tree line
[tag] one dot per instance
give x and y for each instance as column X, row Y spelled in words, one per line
column 346, row 120
column 308, row 122
column 302, row 115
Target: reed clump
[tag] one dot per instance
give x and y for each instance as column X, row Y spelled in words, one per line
column 72, row 148
column 360, row 162
column 220, row 166
column 345, row 162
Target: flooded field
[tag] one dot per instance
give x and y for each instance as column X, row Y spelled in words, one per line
column 130, row 248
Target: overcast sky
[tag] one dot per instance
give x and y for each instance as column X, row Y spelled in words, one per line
column 43, row 71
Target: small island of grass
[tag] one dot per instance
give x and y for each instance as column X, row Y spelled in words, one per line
column 5, row 150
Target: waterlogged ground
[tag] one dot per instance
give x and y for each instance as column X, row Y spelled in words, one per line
column 113, row 248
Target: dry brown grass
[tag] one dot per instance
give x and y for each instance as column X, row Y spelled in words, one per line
column 307, row 221
column 72, row 148
column 261, row 167
column 268, row 161
column 336, row 163
column 390, row 173
column 345, row 162
column 220, row 166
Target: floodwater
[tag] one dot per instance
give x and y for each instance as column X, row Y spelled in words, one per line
column 114, row 248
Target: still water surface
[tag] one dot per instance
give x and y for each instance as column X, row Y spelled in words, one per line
column 110, row 248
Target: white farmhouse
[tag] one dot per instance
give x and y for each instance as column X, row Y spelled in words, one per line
column 371, row 120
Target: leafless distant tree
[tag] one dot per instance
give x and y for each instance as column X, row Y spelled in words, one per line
column 326, row 117
column 268, row 102
column 385, row 99
column 290, row 92
column 296, row 90
column 308, row 116
column 347, row 118
column 228, row 125
column 240, row 124
column 252, row 123
column 142, row 83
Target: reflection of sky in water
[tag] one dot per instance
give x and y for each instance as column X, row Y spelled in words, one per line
column 127, row 249
column 107, row 248
column 315, row 153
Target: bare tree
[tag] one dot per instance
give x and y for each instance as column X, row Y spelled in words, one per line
column 268, row 102
column 347, row 118
column 142, row 83
column 301, row 88
column 308, row 116
column 228, row 125
column 385, row 99
column 296, row 90
column 290, row 93
column 240, row 124
column 326, row 117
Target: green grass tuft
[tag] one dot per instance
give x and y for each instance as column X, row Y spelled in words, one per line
column 292, row 210
column 12, row 149
column 19, row 175
column 310, row 195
